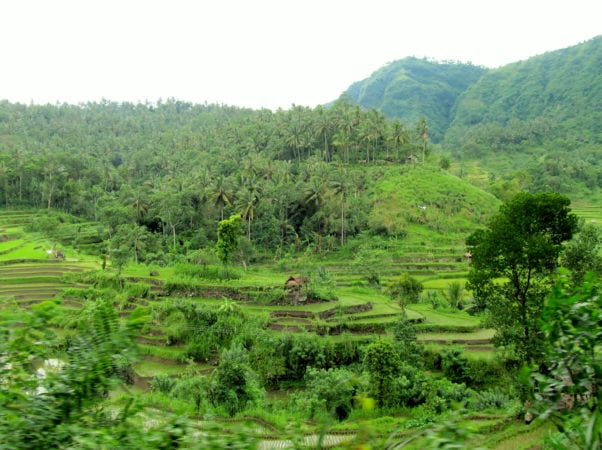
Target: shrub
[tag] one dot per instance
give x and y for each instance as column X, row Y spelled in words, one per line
column 234, row 385
column 207, row 272
column 481, row 373
column 373, row 279
column 191, row 388
column 455, row 295
column 432, row 298
column 302, row 351
column 44, row 223
column 383, row 364
column 325, row 283
column 162, row 383
column 455, row 365
column 489, row 399
column 329, row 391
column 406, row 289
column 267, row 358
column 431, row 359
column 199, row 349
column 444, row 394
column 138, row 290
column 410, row 388
column 124, row 369
column 346, row 352
column 406, row 342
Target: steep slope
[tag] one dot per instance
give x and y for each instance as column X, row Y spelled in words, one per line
column 542, row 115
column 563, row 86
column 412, row 88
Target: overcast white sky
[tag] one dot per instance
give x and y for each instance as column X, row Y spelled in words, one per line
column 260, row 53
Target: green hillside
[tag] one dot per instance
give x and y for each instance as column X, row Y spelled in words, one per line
column 412, row 88
column 563, row 89
column 532, row 124
column 536, row 122
column 208, row 276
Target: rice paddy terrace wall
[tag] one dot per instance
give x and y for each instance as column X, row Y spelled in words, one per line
column 32, row 269
column 30, row 274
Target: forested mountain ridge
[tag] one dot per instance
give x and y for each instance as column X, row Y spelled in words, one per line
column 533, row 124
column 541, row 117
column 563, row 85
column 412, row 88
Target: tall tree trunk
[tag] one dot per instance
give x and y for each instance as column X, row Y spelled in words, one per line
column 342, row 221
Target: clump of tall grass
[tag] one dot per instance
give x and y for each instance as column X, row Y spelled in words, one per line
column 455, row 295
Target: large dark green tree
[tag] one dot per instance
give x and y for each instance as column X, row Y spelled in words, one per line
column 513, row 261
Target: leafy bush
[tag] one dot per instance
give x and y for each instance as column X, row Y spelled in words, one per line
column 346, row 352
column 432, row 359
column 47, row 223
column 480, row 373
column 455, row 365
column 267, row 358
column 406, row 342
column 191, row 388
column 138, row 290
column 489, row 399
column 406, row 289
column 409, row 389
column 124, row 369
column 200, row 349
column 325, row 283
column 162, row 383
column 444, row 394
column 234, row 385
column 383, row 364
column 56, row 410
column 328, row 391
column 373, row 279
column 455, row 295
column 432, row 298
column 305, row 350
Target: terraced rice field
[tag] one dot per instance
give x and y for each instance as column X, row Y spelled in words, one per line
column 28, row 273
column 588, row 212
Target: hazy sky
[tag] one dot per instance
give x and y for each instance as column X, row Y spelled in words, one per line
column 260, row 53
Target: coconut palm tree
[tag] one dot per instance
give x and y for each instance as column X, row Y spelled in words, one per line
column 246, row 205
column 423, row 132
column 398, row 136
column 221, row 194
column 340, row 186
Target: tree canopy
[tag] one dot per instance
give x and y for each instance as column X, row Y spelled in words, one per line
column 228, row 236
column 512, row 260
